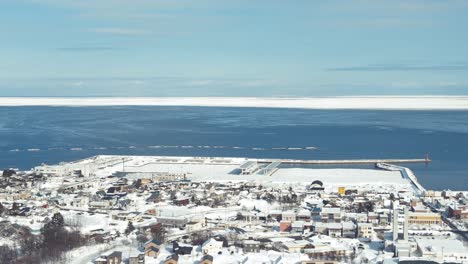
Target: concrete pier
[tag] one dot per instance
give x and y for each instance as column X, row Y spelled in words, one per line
column 407, row 173
column 353, row 161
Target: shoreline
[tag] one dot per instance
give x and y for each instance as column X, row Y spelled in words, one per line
column 318, row 103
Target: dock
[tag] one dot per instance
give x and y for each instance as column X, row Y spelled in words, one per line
column 405, row 172
column 352, row 161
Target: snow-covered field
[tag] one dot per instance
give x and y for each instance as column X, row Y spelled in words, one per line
column 358, row 102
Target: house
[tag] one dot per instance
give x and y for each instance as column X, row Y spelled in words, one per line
column 154, row 197
column 172, row 259
column 359, row 217
column 297, row 226
column 373, row 218
column 143, row 182
column 457, row 211
column 249, row 216
column 181, row 250
column 295, row 246
column 303, row 215
column 136, row 258
column 172, row 221
column 365, row 230
column 251, row 246
column 80, row 201
column 265, row 243
column 102, row 204
column 275, row 214
column 152, row 248
column 320, row 250
column 331, row 214
column 320, row 228
column 134, row 216
column 152, row 252
column 285, row 226
column 206, row 259
column 334, row 229
column 182, row 201
column 349, row 229
column 212, row 246
column 383, row 219
column 288, row 216
column 112, row 258
column 193, row 226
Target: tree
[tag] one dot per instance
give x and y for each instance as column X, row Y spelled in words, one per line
column 129, row 228
column 15, row 207
column 54, row 233
column 57, row 220
column 239, row 216
column 141, row 238
column 7, row 254
column 366, row 207
column 29, row 243
column 158, row 232
column 137, row 183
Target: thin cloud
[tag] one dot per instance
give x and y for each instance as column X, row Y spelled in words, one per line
column 230, row 82
column 403, row 67
column 120, row 31
column 86, row 48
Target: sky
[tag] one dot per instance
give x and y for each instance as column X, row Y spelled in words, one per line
column 233, row 47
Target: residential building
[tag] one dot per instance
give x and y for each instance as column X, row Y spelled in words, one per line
column 212, row 246
column 331, row 214
column 365, row 230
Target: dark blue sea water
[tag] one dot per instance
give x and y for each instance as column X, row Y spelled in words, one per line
column 30, row 136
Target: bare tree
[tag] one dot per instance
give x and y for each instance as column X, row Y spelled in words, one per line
column 158, row 232
column 7, row 254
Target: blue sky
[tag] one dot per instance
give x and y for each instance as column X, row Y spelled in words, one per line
column 233, row 48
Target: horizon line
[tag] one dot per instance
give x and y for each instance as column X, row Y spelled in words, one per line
column 318, row 103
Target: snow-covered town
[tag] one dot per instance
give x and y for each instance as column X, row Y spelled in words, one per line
column 153, row 209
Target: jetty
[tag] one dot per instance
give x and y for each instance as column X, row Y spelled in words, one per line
column 351, row 161
column 405, row 172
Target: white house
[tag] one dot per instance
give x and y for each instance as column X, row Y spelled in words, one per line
column 334, row 229
column 212, row 246
column 193, row 226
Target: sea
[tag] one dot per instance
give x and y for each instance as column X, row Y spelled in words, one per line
column 30, row 136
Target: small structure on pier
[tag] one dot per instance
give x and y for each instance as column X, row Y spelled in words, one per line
column 271, row 168
column 248, row 167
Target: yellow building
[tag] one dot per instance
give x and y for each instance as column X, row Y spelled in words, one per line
column 420, row 218
column 341, row 190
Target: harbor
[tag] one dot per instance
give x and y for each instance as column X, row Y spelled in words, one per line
column 234, row 169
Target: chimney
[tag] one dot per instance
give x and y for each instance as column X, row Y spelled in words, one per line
column 395, row 224
column 405, row 225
